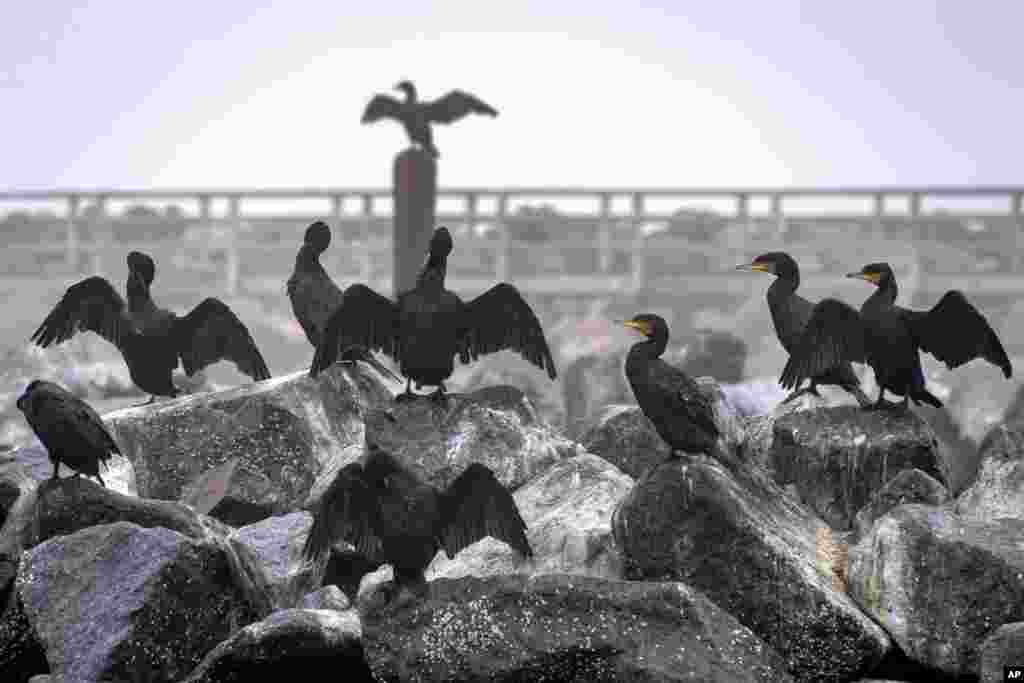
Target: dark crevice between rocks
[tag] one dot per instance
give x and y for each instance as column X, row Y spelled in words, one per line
column 898, row 667
column 238, row 513
column 21, row 654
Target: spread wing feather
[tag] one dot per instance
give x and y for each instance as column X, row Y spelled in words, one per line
column 381, row 106
column 347, row 512
column 365, row 319
column 455, row 105
column 833, row 335
column 687, row 397
column 211, row 332
column 955, row 332
column 92, row 304
column 501, row 319
column 475, row 506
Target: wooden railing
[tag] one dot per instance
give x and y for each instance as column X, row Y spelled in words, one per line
column 618, row 222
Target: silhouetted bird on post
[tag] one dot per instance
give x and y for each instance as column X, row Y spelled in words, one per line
column 416, row 117
column 152, row 339
column 428, row 326
column 890, row 338
column 391, row 517
column 314, row 296
column 73, row 433
column 790, row 313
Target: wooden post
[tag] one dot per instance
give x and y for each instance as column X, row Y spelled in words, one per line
column 231, row 256
column 415, row 198
column 100, row 234
column 604, row 235
column 1015, row 209
column 366, row 254
column 504, row 241
column 639, row 244
column 71, row 254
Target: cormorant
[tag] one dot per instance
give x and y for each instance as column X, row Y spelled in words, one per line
column 314, row 295
column 391, row 517
column 416, row 116
column 429, row 325
column 681, row 413
column 790, row 313
column 151, row 339
column 888, row 338
column 71, row 430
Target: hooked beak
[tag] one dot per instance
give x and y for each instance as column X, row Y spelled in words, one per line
column 867, row 277
column 638, row 326
column 755, row 267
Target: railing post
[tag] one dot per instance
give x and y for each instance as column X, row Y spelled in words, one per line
column 780, row 217
column 639, row 255
column 879, row 213
column 100, row 234
column 504, row 242
column 71, row 253
column 1016, row 200
column 231, row 256
column 604, row 235
column 366, row 256
column 743, row 213
column 337, row 205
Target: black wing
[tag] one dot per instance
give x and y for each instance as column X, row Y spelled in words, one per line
column 455, row 105
column 475, row 506
column 688, row 399
column 365, row 319
column 211, row 332
column 381, row 106
column 347, row 512
column 62, row 409
column 833, row 335
column 501, row 319
column 955, row 332
column 92, row 304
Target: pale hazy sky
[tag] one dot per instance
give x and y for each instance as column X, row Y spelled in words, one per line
column 691, row 93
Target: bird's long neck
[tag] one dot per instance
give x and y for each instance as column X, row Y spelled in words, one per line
column 783, row 288
column 139, row 298
column 433, row 272
column 410, row 95
column 308, row 260
column 648, row 349
column 886, row 292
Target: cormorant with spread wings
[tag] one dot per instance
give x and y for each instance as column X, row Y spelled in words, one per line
column 428, row 325
column 152, row 339
column 416, row 117
column 73, row 433
column 314, row 296
column 889, row 337
column 790, row 313
column 391, row 517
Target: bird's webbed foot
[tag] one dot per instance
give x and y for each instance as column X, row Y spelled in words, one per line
column 812, row 390
column 439, row 396
column 406, row 396
column 152, row 399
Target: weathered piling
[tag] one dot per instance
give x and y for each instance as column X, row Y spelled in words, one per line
column 415, row 197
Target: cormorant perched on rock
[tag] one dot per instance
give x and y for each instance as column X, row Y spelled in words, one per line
column 69, row 428
column 416, row 116
column 429, row 325
column 790, row 313
column 888, row 338
column 391, row 517
column 671, row 400
column 314, row 295
column 151, row 339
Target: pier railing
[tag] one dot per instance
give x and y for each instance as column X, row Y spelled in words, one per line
column 604, row 238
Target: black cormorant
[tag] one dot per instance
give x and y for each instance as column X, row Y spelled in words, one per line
column 416, row 117
column 888, row 338
column 428, row 325
column 314, row 296
column 673, row 402
column 152, row 339
column 69, row 428
column 391, row 517
column 790, row 313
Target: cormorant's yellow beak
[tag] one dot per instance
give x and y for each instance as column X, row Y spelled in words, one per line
column 641, row 327
column 873, row 278
column 755, row 267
